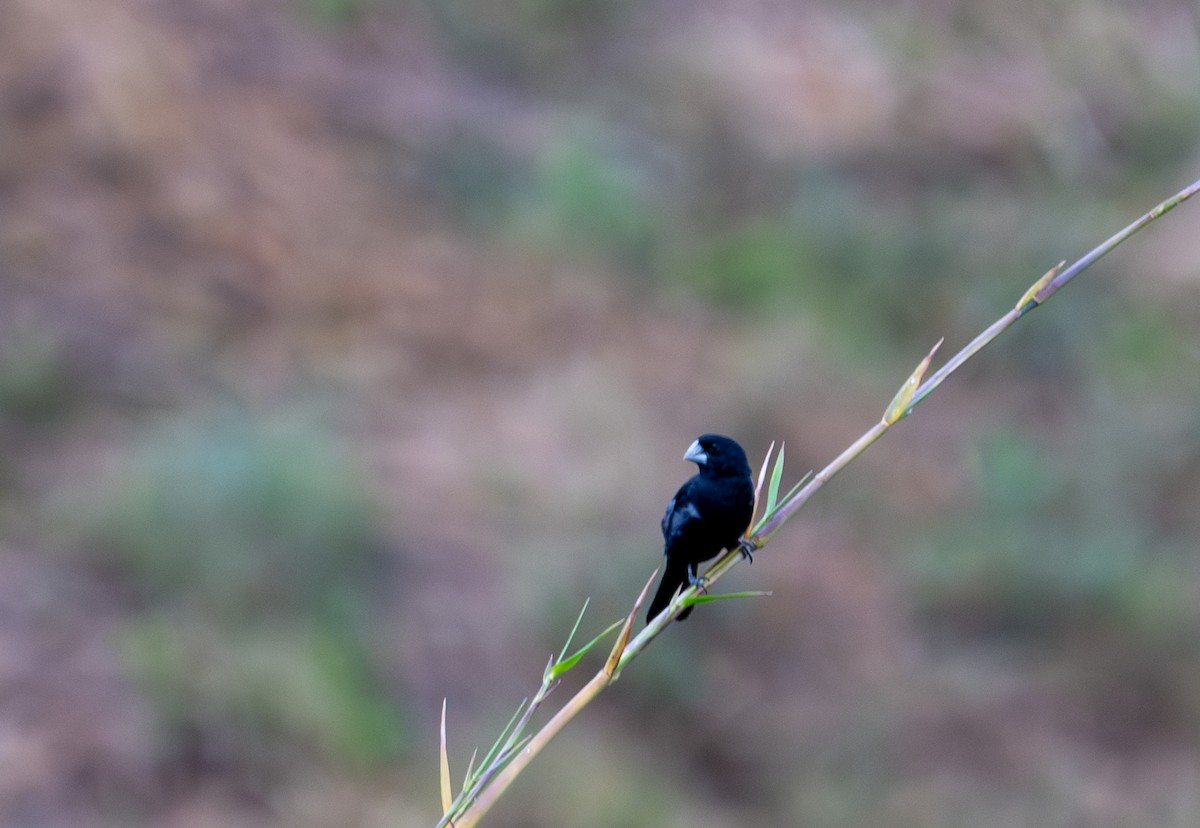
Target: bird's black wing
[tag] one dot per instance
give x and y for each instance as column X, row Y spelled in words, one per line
column 681, row 523
column 682, row 515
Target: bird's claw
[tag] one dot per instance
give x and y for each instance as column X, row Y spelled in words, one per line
column 698, row 581
column 747, row 547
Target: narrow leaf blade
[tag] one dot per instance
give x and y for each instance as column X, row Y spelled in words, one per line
column 575, row 628
column 898, row 409
column 776, row 476
column 491, row 754
column 444, row 767
column 796, row 488
column 762, row 475
column 470, row 769
column 724, row 596
column 1031, row 294
column 563, row 664
column 614, row 655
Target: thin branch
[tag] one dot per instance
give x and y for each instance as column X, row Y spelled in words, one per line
column 471, row 806
column 976, row 345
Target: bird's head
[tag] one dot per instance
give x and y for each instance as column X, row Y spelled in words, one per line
column 717, row 454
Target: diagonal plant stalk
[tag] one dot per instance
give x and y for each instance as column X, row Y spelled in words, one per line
column 500, row 768
column 473, row 803
column 1038, row 293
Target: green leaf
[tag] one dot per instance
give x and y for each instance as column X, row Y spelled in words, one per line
column 513, row 750
column 487, row 759
column 899, row 407
column 762, row 475
column 563, row 664
column 808, row 474
column 776, row 476
column 575, row 628
column 783, row 501
column 470, row 769
column 705, row 599
column 1031, row 294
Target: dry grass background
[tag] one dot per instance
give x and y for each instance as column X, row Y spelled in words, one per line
column 347, row 345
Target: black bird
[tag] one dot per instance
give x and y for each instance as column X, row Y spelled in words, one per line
column 708, row 513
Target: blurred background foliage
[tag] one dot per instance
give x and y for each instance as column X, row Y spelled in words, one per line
column 346, row 346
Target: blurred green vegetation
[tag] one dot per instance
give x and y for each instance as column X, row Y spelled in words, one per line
column 251, row 548
column 1042, row 555
column 334, row 11
column 36, row 381
column 867, row 265
column 583, row 200
column 531, row 42
column 246, row 517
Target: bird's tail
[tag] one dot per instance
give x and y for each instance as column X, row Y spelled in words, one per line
column 674, row 576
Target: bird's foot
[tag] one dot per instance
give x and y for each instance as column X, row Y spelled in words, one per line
column 697, row 580
column 747, row 547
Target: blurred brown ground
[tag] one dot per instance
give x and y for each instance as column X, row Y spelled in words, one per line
column 346, row 346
